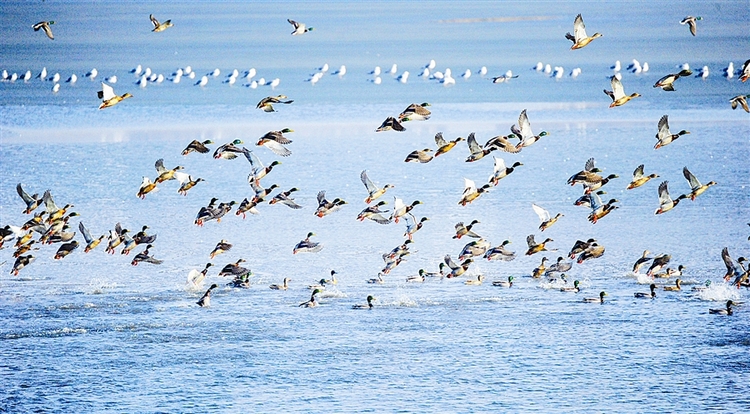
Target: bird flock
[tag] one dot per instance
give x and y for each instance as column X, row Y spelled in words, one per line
column 52, row 225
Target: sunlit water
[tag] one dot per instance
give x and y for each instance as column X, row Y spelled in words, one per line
column 91, row 333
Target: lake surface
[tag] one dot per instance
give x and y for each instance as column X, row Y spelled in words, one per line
column 91, row 333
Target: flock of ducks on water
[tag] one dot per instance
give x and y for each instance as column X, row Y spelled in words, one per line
column 52, row 224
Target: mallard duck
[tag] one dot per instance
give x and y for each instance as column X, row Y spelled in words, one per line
column 476, row 151
column 676, row 287
column 312, row 302
column 278, row 136
column 535, row 247
column 25, row 238
column 197, row 146
column 65, row 249
column 745, row 71
column 206, row 212
column 283, row 286
column 641, row 261
column 690, row 21
column 443, row 145
column 544, row 217
column 478, row 281
column 20, row 263
column 186, row 183
column 195, row 278
column 45, row 26
column 398, row 251
column 471, row 192
column 665, row 201
column 326, row 207
column 705, row 286
column 540, row 270
column 559, row 267
column 415, row 279
column 593, row 251
column 145, row 257
column 667, row 82
column 219, row 212
column 379, row 280
column 740, row 100
column 647, row 295
column 462, row 230
column 664, row 136
column 299, row 28
column 108, row 97
column 266, row 104
column 420, row 156
column 579, row 37
column 221, row 247
column 205, row 300
column 260, row 192
column 159, row 27
column 524, row 133
column 726, row 311
column 588, row 173
column 374, row 213
column 732, row 270
column 475, row 248
column 274, row 146
column 696, row 188
column 599, row 299
column 368, row 305
column 235, row 269
column 23, row 248
column 374, row 192
column 55, row 212
column 639, row 178
column 248, row 206
column 115, row 238
column 415, row 112
column 503, row 143
column 599, row 209
column 501, row 171
column 321, row 285
column 32, row 201
column 142, row 238
column 659, row 262
column 307, row 246
column 504, row 283
column 400, row 209
column 618, row 93
column 284, row 198
column 390, row 123
column 163, row 173
column 586, row 199
column 500, row 253
column 230, row 150
column 412, row 226
column 575, row 288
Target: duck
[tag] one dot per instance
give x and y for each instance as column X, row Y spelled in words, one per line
column 219, row 212
column 260, row 192
column 535, row 247
column 206, row 212
column 195, row 278
column 266, row 104
column 478, row 281
column 379, row 280
column 665, row 201
column 307, row 246
column 374, row 213
column 326, row 207
column 415, row 112
column 745, row 71
column 618, row 93
column 230, row 150
column 732, row 270
column 586, row 199
column 726, row 311
column 659, row 262
column 142, row 238
column 647, row 295
column 159, row 27
column 413, row 226
column 544, row 217
column 398, row 251
column 540, row 270
column 45, row 26
column 221, row 247
column 457, row 270
column 639, row 178
column 599, row 209
column 205, row 300
column 248, row 206
column 476, row 151
column 23, row 239
column 128, row 244
column 475, row 248
column 443, row 145
column 575, row 288
column 667, row 82
column 374, row 192
column 580, row 38
column 588, row 173
column 593, row 251
column 705, row 286
column 676, row 287
column 500, row 253
column 285, row 198
column 638, row 265
column 186, row 183
column 23, row 248
column 65, row 249
column 278, row 136
column 163, row 173
column 275, row 146
column 400, row 209
column 21, row 262
column 415, row 279
column 420, row 156
column 691, row 22
column 500, row 171
column 260, row 171
column 599, row 299
column 389, row 124
column 559, row 267
column 323, row 282
column 502, row 143
column 504, row 283
column 197, row 146
column 471, row 192
column 109, row 98
column 740, row 100
column 283, row 286
column 368, row 305
column 299, row 28
column 696, row 188
column 115, row 238
column 524, row 133
column 312, row 302
column 145, row 257
column 236, row 270
column 465, row 230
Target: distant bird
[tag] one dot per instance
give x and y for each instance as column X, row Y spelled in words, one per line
column 599, row 209
column 535, row 247
column 676, row 287
column 284, row 198
column 45, row 26
column 732, row 268
column 690, row 21
column 696, row 188
column 465, row 230
column 144, row 256
column 195, row 278
column 20, row 263
column 457, row 270
column 307, row 245
column 108, row 97
column 647, row 295
column 665, row 201
column 420, row 156
column 471, row 192
column 312, row 302
column 703, row 73
column 412, row 226
column 667, row 82
column 326, row 207
column 544, row 217
column 65, row 249
column 159, row 27
column 415, row 112
column 186, row 182
column 400, row 209
column 500, row 253
column 504, row 283
column 146, row 187
column 368, row 305
column 221, row 247
column 229, row 150
column 579, row 37
column 197, row 146
column 142, row 238
column 599, row 299
column 266, row 104
column 374, row 192
column 641, row 261
column 390, row 123
column 283, row 286
column 740, row 100
column 579, row 246
column 618, row 93
column 523, row 131
column 474, row 248
column 32, row 201
column 500, row 171
column 164, row 174
column 639, row 178
column 374, row 213
column 205, row 300
column 561, row 266
column 299, row 28
column 726, row 311
column 664, row 136
column 443, row 145
column 477, row 152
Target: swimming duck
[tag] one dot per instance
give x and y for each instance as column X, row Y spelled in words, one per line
column 504, row 283
column 647, row 295
column 690, row 21
column 321, row 285
column 205, row 212
column 503, row 143
column 299, row 28
column 195, row 278
column 230, row 150
column 45, row 27
column 283, row 286
column 374, row 192
column 535, row 247
column 639, row 178
column 326, row 207
column 266, row 104
column 600, row 299
column 471, row 192
column 480, row 279
column 197, row 146
column 221, row 247
column 500, row 253
column 658, row 264
column 163, row 173
column 142, row 238
column 205, row 300
column 544, row 216
column 312, row 302
column 413, row 226
column 415, row 279
column 65, row 249
column 641, row 261
column 618, row 93
column 476, row 151
column 307, row 246
column 236, row 270
column 145, row 257
column 108, row 97
column 400, row 209
column 248, row 206
column 524, row 133
column 501, row 171
column 186, row 183
column 575, row 288
column 32, row 201
column 443, row 145
column 667, row 82
column 665, row 201
column 579, row 37
column 462, row 230
column 593, row 251
column 456, row 270
column 374, row 213
column 379, row 280
column 274, row 146
column 390, row 123
column 440, row 273
column 369, row 305
column 284, row 198
column 702, row 288
column 727, row 311
column 696, row 188
column 539, row 270
column 20, row 263
column 422, row 156
column 740, row 100
column 559, row 267
column 674, row 288
column 599, row 209
column 415, row 112
column 474, row 248
column 159, row 27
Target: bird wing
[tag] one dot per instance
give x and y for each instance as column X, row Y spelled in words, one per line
column 380, row 219
column 524, row 125
column 499, row 165
column 542, row 213
column 474, row 146
column 277, row 136
column 691, row 23
column 589, row 165
column 638, row 173
column 277, row 148
column 293, row 23
column 439, row 140
column 728, row 262
column 85, row 232
column 159, row 165
column 49, row 202
column 24, row 195
column 469, row 187
column 617, row 90
column 321, row 197
column 694, row 183
column 153, row 20
column 579, row 29
column 595, row 200
column 48, row 30
column 398, row 204
column 182, row 178
column 663, row 128
column 106, row 93
column 664, row 197
column 530, row 240
column 369, row 185
column 450, row 262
